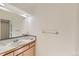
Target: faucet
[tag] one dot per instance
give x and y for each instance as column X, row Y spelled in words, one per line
column 15, row 40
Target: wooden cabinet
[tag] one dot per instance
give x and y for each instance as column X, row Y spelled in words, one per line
column 25, row 50
column 30, row 52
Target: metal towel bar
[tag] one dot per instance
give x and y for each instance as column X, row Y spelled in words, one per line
column 50, row 32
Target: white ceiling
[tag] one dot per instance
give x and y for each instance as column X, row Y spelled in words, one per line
column 31, row 7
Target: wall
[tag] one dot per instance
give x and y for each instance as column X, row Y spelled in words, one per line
column 55, row 17
column 77, row 38
column 19, row 24
column 0, row 30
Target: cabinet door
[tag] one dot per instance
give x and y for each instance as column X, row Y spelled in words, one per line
column 17, row 52
column 30, row 52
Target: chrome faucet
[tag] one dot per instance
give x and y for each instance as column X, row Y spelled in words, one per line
column 15, row 40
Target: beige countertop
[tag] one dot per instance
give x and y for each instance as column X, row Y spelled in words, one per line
column 9, row 44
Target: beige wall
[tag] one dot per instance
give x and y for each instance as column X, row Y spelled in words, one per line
column 0, row 30
column 77, row 40
column 55, row 17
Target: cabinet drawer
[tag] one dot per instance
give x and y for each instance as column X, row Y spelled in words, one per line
column 32, row 44
column 21, row 50
column 10, row 54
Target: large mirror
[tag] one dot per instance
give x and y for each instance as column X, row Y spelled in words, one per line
column 12, row 25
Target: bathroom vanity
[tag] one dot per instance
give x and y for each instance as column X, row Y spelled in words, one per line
column 14, row 35
column 23, row 46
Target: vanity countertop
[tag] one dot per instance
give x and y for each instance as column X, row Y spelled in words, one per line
column 11, row 44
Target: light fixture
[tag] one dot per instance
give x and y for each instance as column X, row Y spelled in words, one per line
column 24, row 15
column 2, row 4
column 5, row 9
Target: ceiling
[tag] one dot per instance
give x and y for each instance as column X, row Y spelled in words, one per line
column 31, row 7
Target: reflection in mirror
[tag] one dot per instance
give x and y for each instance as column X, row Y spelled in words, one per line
column 12, row 25
column 4, row 29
